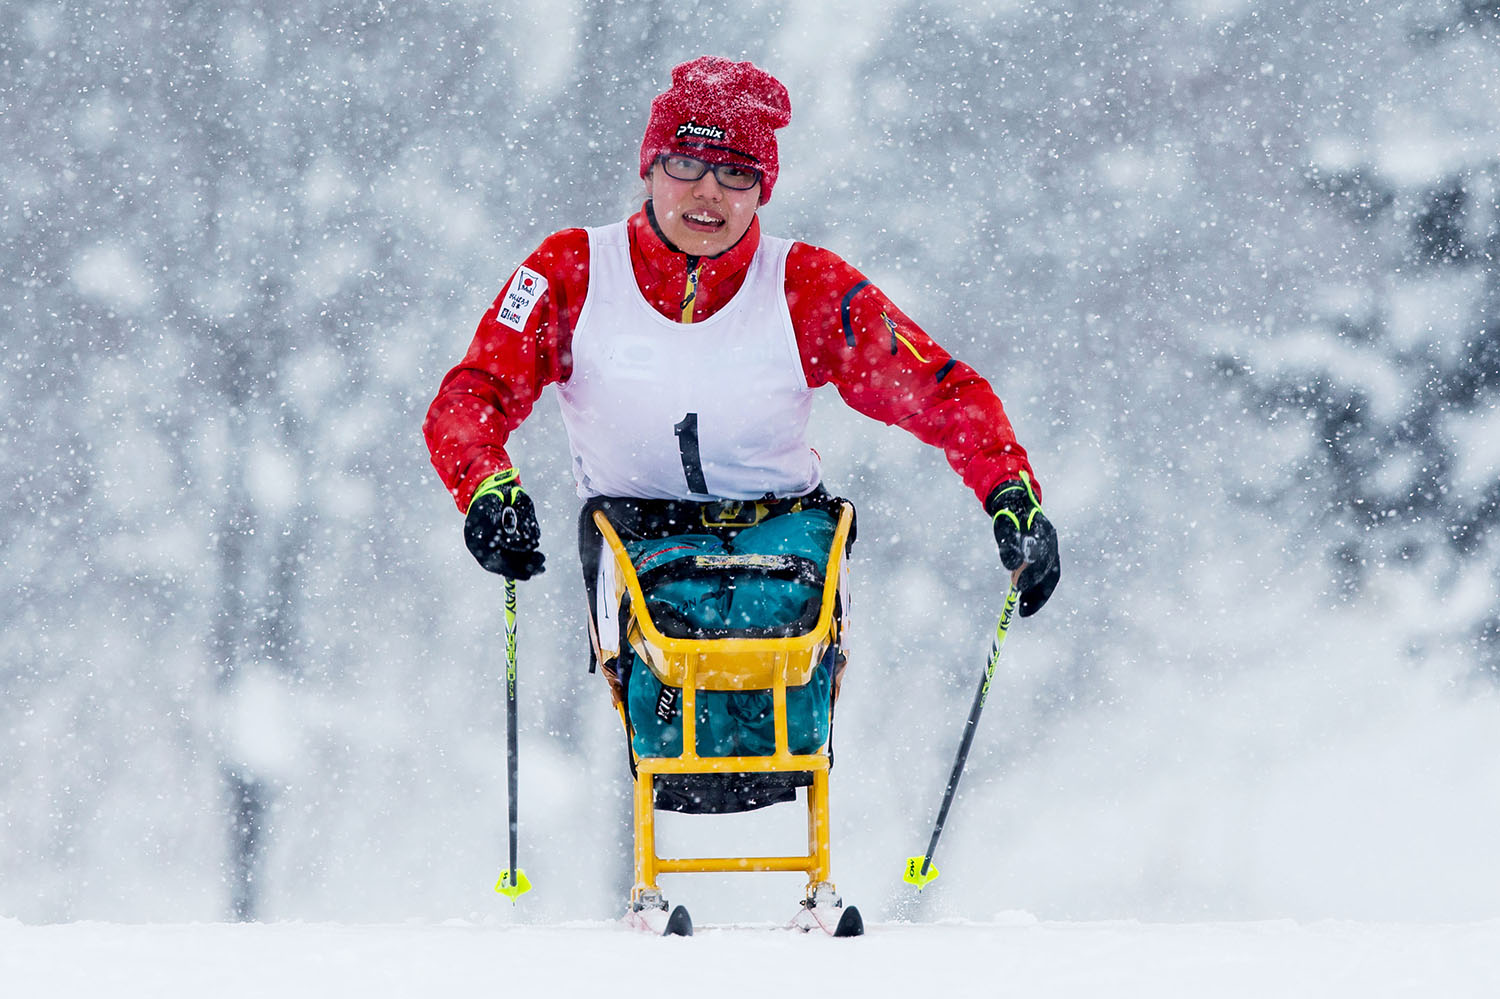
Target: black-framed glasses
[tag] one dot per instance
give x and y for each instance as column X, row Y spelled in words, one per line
column 730, row 175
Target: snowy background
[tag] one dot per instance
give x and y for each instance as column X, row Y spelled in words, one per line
column 1231, row 265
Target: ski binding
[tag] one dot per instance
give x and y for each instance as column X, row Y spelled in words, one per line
column 823, row 909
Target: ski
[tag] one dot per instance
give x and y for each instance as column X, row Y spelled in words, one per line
column 842, row 921
column 679, row 923
column 824, row 910
column 650, row 915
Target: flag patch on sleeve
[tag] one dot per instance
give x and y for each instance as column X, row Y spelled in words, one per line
column 520, row 298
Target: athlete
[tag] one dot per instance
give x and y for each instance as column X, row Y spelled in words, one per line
column 686, row 345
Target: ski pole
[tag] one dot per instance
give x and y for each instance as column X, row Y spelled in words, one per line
column 512, row 880
column 919, row 870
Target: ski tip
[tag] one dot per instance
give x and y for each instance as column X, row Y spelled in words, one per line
column 679, row 923
column 513, row 884
column 920, row 871
column 851, row 923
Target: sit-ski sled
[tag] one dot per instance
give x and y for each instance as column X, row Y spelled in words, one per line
column 726, row 663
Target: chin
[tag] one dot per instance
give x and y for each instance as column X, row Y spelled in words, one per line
column 699, row 246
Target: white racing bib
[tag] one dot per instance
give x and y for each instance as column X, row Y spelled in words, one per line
column 657, row 409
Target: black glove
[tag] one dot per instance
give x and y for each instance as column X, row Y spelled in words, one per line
column 501, row 529
column 1026, row 538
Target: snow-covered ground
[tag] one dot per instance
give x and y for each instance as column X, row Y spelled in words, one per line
column 1015, row 955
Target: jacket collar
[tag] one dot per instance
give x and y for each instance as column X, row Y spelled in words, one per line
column 666, row 262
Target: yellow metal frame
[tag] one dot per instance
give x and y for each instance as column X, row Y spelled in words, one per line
column 729, row 664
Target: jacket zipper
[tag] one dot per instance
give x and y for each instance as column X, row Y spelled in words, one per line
column 690, row 292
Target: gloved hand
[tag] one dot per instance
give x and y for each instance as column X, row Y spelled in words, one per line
column 501, row 529
column 1026, row 538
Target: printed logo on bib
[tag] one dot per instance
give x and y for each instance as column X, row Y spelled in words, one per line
column 520, row 298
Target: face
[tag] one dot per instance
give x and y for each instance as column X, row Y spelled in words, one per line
column 700, row 217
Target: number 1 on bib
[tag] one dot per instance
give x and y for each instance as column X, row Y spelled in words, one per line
column 692, row 461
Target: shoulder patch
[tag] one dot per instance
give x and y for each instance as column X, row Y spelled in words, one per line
column 520, row 298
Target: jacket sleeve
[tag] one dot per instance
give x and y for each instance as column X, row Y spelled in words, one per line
column 885, row 366
column 492, row 390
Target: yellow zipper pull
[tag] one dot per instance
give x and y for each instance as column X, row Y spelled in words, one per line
column 692, row 293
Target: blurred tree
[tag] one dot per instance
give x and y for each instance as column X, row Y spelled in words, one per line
column 229, row 215
column 1391, row 379
column 329, row 164
column 1102, row 185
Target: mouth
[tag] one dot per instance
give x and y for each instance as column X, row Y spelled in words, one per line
column 702, row 221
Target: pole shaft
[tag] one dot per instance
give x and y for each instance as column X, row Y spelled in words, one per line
column 511, row 750
column 972, row 725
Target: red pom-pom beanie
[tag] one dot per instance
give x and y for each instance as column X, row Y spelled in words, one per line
column 722, row 112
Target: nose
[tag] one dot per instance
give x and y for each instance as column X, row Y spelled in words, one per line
column 708, row 186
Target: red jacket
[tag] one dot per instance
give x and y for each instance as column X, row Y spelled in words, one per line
column 848, row 333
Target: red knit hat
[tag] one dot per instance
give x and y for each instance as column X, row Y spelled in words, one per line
column 722, row 112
